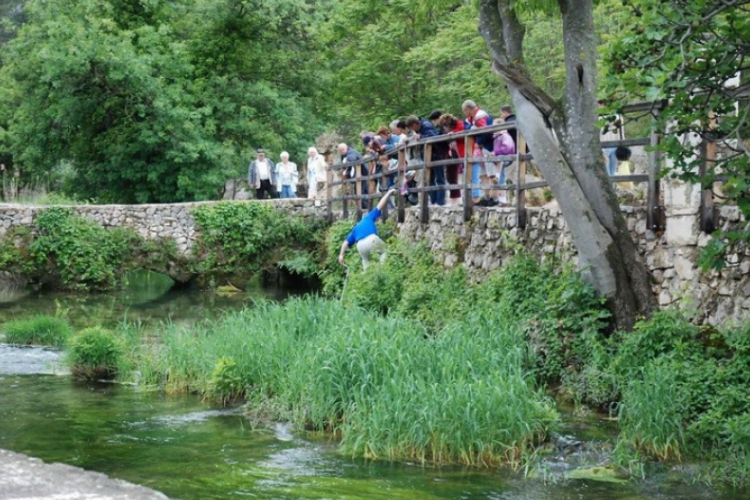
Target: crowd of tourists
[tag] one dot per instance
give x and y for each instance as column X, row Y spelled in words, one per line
column 380, row 147
column 281, row 179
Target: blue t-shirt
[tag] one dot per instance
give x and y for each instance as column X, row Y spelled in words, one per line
column 364, row 228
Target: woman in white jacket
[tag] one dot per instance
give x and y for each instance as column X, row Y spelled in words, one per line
column 316, row 172
column 287, row 176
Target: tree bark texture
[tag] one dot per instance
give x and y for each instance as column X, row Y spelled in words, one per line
column 565, row 141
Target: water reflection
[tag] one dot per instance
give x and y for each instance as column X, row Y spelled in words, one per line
column 190, row 451
column 147, row 297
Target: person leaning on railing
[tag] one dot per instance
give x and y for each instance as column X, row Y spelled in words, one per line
column 365, row 235
column 349, row 155
column 452, row 125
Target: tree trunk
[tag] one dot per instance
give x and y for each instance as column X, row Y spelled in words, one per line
column 565, row 141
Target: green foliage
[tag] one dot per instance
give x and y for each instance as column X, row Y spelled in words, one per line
column 383, row 386
column 652, row 412
column 682, row 391
column 38, row 330
column 86, row 255
column 332, row 273
column 239, row 239
column 687, row 55
column 162, row 101
column 225, row 383
column 94, row 353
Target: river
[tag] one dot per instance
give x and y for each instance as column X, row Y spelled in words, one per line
column 192, row 451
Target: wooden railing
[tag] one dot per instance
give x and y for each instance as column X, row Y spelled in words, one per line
column 352, row 188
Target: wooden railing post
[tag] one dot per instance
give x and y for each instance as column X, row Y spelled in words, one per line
column 707, row 213
column 520, row 181
column 654, row 192
column 401, row 203
column 358, row 189
column 329, row 194
column 345, row 188
column 424, row 196
column 371, row 185
column 468, row 167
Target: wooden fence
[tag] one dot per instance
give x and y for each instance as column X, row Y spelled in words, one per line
column 420, row 152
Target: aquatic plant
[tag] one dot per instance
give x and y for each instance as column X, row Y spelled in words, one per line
column 94, row 353
column 379, row 383
column 38, row 330
column 652, row 412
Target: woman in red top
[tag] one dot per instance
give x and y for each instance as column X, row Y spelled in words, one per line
column 453, row 125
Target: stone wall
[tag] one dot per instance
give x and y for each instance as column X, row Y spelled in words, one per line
column 491, row 236
column 717, row 298
column 173, row 221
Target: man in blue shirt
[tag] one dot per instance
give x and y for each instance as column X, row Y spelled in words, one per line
column 365, row 235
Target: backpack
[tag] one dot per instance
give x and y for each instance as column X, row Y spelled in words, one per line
column 486, row 140
column 503, row 144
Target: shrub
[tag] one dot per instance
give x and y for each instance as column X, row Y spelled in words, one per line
column 243, row 238
column 225, row 384
column 94, row 353
column 39, row 330
column 85, row 255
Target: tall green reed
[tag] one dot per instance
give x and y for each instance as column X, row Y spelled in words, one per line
column 382, row 384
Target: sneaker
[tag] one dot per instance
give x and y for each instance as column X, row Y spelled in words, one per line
column 482, row 203
column 491, row 203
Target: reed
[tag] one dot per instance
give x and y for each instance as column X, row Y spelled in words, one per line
column 652, row 412
column 38, row 330
column 381, row 384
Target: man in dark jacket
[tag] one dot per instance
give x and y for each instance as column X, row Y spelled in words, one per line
column 424, row 128
column 349, row 155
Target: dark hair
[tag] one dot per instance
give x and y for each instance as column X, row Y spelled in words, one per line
column 622, row 153
column 401, row 124
column 506, row 109
column 435, row 115
column 411, row 120
column 366, row 140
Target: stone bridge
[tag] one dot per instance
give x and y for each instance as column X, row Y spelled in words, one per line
column 671, row 255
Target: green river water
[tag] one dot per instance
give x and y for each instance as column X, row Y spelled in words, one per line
column 192, row 451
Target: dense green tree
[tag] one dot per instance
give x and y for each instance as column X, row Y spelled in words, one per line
column 692, row 56
column 155, row 100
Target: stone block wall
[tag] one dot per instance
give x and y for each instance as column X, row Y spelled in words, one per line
column 173, row 221
column 482, row 244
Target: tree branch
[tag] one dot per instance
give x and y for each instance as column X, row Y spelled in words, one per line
column 503, row 33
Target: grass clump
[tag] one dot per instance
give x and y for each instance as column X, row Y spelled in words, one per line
column 38, row 330
column 379, row 383
column 94, row 353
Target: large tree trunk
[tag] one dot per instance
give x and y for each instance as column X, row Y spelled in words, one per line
column 570, row 159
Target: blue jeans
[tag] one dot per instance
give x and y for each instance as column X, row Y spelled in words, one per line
column 611, row 160
column 437, row 178
column 501, row 177
column 475, row 193
column 286, row 192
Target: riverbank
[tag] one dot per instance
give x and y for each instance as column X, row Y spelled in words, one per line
column 26, row 478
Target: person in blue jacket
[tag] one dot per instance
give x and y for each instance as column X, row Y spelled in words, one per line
column 365, row 235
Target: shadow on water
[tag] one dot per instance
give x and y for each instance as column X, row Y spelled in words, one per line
column 147, row 297
column 191, row 451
